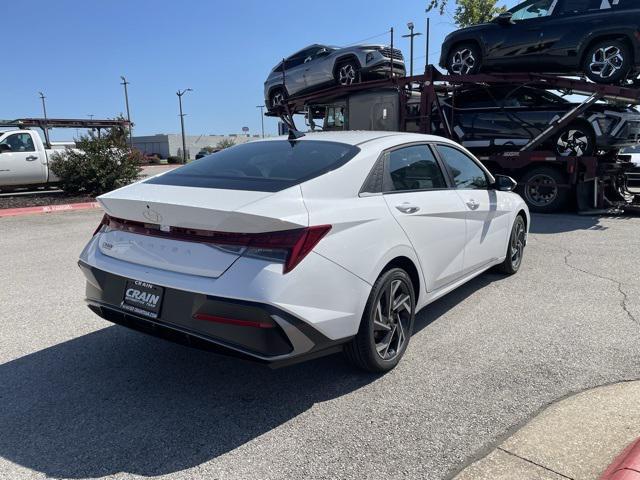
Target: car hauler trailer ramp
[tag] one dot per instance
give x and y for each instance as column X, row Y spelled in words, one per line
column 548, row 182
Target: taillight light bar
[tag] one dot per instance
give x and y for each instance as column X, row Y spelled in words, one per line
column 232, row 321
column 293, row 245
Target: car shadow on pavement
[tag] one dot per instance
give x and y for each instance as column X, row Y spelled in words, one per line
column 120, row 401
column 565, row 222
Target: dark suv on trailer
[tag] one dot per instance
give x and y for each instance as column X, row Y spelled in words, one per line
column 599, row 38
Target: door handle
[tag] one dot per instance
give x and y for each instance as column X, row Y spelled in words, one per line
column 472, row 204
column 408, row 208
column 31, row 158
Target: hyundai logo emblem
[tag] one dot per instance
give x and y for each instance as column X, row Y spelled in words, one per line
column 151, row 215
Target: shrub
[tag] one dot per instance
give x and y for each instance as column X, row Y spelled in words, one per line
column 96, row 165
column 174, row 159
column 225, row 143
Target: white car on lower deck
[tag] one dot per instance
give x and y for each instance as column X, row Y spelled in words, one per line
column 281, row 250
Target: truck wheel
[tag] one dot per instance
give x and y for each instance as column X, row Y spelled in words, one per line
column 347, row 73
column 543, row 191
column 464, row 59
column 576, row 140
column 386, row 325
column 608, row 61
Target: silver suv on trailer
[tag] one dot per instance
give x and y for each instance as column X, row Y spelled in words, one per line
column 319, row 65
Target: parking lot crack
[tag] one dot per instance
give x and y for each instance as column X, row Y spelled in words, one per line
column 533, row 463
column 625, row 297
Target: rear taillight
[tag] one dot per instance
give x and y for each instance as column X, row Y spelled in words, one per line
column 288, row 246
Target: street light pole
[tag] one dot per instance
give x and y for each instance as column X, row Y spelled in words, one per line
column 44, row 109
column 261, row 107
column 126, row 101
column 411, row 35
column 184, row 143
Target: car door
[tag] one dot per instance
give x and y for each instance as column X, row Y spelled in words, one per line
column 294, row 72
column 430, row 213
column 318, row 68
column 518, row 43
column 487, row 226
column 20, row 162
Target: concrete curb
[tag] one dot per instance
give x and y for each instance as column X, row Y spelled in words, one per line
column 16, row 212
column 626, row 466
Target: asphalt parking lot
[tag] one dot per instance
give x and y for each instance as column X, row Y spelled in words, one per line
column 80, row 398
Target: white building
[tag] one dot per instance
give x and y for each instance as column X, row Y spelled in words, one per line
column 171, row 144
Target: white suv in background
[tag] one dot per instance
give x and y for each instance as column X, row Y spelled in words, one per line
column 286, row 249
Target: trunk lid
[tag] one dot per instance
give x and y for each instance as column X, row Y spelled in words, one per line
column 161, row 207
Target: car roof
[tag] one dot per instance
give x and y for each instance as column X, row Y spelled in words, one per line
column 360, row 137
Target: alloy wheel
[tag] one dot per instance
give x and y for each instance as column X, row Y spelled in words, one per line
column 278, row 99
column 347, row 74
column 392, row 319
column 541, row 190
column 463, row 62
column 573, row 143
column 606, row 62
column 517, row 245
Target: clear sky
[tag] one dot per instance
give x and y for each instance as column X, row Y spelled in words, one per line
column 75, row 51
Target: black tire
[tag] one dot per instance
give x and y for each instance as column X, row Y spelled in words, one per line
column 362, row 351
column 515, row 249
column 276, row 98
column 542, row 190
column 347, row 73
column 576, row 140
column 464, row 59
column 608, row 61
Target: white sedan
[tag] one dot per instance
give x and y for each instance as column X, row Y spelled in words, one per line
column 288, row 249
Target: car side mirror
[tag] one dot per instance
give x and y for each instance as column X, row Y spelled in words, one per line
column 503, row 183
column 505, row 18
column 4, row 148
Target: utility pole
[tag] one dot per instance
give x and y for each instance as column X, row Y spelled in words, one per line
column 184, row 143
column 126, row 101
column 411, row 36
column 261, row 107
column 391, row 31
column 91, row 115
column 44, row 109
column 427, row 44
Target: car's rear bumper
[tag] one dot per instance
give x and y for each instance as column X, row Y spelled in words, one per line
column 254, row 331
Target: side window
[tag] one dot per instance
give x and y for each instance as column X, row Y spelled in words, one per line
column 571, row 7
column 19, row 142
column 465, row 172
column 413, row 168
column 533, row 9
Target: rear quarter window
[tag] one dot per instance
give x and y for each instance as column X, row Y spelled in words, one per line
column 261, row 166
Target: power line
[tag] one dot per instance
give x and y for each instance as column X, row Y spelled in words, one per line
column 384, row 34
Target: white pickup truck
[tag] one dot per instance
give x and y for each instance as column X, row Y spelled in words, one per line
column 24, row 159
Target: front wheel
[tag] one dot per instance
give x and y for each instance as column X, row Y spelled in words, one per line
column 608, row 61
column 515, row 250
column 347, row 73
column 386, row 325
column 464, row 59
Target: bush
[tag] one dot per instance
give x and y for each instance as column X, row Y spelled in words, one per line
column 174, row 159
column 225, row 143
column 96, row 165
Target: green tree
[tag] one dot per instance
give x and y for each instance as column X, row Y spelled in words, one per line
column 97, row 165
column 225, row 143
column 469, row 12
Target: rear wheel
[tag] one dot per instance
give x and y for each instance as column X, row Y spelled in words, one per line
column 464, row 59
column 347, row 73
column 608, row 61
column 544, row 191
column 576, row 140
column 386, row 325
column 515, row 249
column 276, row 99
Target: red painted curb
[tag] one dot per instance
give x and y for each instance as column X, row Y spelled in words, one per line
column 626, row 466
column 15, row 212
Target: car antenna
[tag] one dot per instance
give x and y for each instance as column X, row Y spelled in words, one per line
column 295, row 135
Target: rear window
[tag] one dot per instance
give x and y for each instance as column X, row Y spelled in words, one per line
column 261, row 166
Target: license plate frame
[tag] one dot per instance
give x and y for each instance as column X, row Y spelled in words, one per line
column 142, row 298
